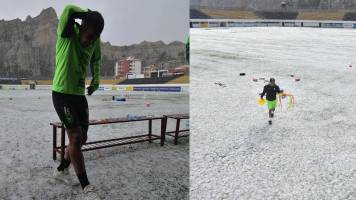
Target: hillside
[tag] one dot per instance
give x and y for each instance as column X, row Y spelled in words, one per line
column 28, row 48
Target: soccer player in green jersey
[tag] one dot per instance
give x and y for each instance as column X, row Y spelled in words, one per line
column 77, row 47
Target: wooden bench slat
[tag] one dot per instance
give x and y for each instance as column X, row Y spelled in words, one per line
column 178, row 116
column 111, row 120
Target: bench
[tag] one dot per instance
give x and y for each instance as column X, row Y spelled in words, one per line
column 175, row 133
column 110, row 142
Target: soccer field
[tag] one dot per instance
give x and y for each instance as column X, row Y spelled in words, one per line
column 310, row 151
column 138, row 171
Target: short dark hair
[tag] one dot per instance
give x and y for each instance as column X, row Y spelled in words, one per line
column 94, row 20
column 272, row 80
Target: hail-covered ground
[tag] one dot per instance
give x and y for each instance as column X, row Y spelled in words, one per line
column 309, row 152
column 140, row 171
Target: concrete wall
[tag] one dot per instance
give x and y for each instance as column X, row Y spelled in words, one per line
column 275, row 4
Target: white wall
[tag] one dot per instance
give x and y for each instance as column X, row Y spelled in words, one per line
column 137, row 66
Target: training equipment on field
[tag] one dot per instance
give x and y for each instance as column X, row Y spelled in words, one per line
column 261, row 102
column 290, row 103
column 115, row 98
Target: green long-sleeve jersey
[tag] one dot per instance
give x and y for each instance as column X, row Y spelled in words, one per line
column 72, row 59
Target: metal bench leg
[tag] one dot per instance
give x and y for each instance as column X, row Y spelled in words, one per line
column 176, row 132
column 150, row 130
column 163, row 130
column 54, row 145
column 63, row 142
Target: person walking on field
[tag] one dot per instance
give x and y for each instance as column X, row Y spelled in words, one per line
column 77, row 47
column 271, row 91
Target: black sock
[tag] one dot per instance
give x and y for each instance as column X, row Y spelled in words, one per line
column 64, row 164
column 83, row 179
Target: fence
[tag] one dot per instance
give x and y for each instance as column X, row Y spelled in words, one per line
column 215, row 23
column 177, row 88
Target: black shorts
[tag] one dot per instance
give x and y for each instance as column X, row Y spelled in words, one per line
column 72, row 110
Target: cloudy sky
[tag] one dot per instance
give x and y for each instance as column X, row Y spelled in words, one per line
column 126, row 21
